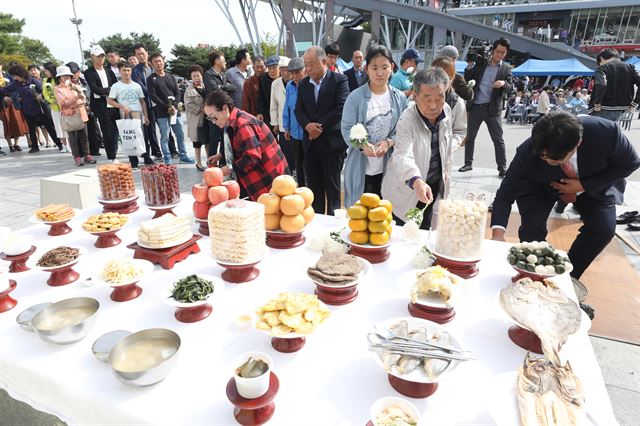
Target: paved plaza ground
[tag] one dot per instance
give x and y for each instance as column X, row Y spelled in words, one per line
column 20, row 175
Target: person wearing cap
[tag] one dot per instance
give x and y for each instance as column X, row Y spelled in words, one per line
column 72, row 101
column 252, row 86
column 409, row 61
column 356, row 74
column 493, row 85
column 163, row 85
column 459, row 84
column 264, row 90
column 277, row 103
column 100, row 80
column 93, row 131
column 319, row 112
column 127, row 96
column 293, row 132
column 238, row 75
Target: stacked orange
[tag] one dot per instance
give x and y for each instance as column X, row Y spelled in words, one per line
column 370, row 220
column 287, row 207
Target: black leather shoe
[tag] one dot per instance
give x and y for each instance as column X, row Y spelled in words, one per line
column 502, row 173
column 32, row 150
column 627, row 217
column 465, row 168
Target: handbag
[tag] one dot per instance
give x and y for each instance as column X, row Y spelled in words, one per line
column 70, row 123
column 130, row 130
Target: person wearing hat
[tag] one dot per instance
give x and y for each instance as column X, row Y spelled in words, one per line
column 409, row 61
column 100, row 80
column 264, row 90
column 293, row 132
column 277, row 103
column 459, row 84
column 52, row 111
column 93, row 132
column 72, row 101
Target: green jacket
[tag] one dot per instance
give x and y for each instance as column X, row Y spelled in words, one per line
column 48, row 86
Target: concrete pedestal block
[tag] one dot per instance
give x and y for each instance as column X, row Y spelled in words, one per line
column 78, row 189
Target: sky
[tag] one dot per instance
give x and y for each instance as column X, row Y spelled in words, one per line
column 173, row 22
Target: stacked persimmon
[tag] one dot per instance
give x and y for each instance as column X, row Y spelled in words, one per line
column 287, row 207
column 212, row 192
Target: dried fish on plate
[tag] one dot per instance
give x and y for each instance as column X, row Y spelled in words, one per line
column 544, row 309
column 549, row 395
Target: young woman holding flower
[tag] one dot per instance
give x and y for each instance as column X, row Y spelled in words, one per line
column 377, row 106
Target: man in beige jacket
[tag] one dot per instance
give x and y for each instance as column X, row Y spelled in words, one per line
column 420, row 166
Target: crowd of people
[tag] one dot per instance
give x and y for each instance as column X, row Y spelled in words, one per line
column 267, row 116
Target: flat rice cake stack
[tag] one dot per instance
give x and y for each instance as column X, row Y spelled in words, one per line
column 166, row 231
column 55, row 213
column 237, row 231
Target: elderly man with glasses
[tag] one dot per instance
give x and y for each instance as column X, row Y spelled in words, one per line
column 580, row 160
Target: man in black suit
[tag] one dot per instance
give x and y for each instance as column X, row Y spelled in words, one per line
column 493, row 82
column 356, row 75
column 581, row 160
column 100, row 79
column 321, row 97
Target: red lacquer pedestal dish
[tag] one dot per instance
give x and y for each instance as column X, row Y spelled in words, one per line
column 288, row 344
column 239, row 273
column 189, row 312
column 253, row 412
column 124, row 206
column 283, row 241
column 106, row 238
column 18, row 262
column 124, row 293
column 203, row 227
column 59, row 228
column 459, row 267
column 374, row 254
column 524, row 338
column 412, row 389
column 62, row 275
column 162, row 210
column 438, row 315
column 194, row 314
column 336, row 296
column 7, row 302
column 167, row 257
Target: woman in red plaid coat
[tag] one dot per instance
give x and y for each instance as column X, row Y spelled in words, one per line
column 256, row 155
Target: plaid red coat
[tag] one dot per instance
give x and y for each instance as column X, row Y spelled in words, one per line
column 257, row 158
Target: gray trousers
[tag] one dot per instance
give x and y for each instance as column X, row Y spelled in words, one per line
column 476, row 115
column 609, row 115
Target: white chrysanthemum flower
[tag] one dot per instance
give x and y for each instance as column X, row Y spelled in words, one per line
column 410, row 70
column 358, row 131
column 471, row 83
column 410, row 231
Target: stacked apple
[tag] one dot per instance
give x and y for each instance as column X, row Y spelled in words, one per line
column 212, row 192
column 286, row 206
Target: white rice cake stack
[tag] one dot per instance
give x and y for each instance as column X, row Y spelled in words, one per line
column 237, row 231
column 166, row 231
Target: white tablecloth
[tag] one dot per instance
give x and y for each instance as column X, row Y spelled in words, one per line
column 333, row 380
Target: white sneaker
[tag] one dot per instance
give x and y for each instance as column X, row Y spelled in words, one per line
column 115, row 161
column 66, row 149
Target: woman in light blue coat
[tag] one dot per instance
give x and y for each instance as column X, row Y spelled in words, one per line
column 377, row 106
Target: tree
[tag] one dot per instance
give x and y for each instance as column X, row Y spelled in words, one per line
column 124, row 44
column 187, row 56
column 36, row 51
column 9, row 24
column 13, row 43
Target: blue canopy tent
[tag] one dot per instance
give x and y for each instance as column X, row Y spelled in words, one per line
column 634, row 60
column 535, row 67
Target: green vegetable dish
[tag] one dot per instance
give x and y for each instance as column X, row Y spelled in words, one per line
column 540, row 258
column 192, row 289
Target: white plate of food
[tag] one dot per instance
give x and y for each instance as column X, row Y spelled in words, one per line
column 34, row 219
column 415, row 369
column 433, row 287
column 291, row 315
column 182, row 240
column 245, row 263
column 331, row 277
column 190, row 288
column 59, row 254
column 121, row 272
column 345, row 237
column 120, row 201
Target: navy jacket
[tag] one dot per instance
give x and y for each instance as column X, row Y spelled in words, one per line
column 353, row 81
column 326, row 111
column 605, row 159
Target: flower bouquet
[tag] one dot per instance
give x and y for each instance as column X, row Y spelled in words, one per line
column 358, row 135
column 411, row 73
column 172, row 108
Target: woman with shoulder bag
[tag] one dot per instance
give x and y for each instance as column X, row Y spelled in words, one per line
column 194, row 107
column 73, row 115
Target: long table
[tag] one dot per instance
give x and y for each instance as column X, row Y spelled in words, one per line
column 333, row 380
